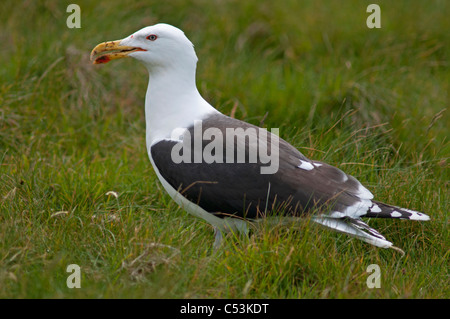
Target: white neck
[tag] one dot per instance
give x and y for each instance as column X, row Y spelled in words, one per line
column 172, row 101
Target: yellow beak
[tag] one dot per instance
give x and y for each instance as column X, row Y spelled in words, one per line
column 113, row 51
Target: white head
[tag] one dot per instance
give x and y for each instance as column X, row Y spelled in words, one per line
column 158, row 46
column 171, row 60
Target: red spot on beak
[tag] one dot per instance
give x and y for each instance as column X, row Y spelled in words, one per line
column 102, row 59
column 132, row 36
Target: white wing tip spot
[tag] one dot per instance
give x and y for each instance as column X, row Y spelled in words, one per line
column 395, row 213
column 375, row 209
column 415, row 215
column 307, row 166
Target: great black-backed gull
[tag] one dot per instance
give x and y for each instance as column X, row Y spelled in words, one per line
column 228, row 172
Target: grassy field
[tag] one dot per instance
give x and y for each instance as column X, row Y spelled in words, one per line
column 373, row 102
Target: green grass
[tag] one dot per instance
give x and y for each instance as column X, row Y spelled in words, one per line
column 373, row 102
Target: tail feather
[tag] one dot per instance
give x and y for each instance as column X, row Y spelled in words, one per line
column 381, row 210
column 356, row 228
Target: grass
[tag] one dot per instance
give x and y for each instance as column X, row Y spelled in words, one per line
column 373, row 102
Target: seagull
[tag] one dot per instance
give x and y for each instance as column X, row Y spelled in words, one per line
column 228, row 172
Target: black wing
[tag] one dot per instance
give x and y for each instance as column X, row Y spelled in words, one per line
column 298, row 186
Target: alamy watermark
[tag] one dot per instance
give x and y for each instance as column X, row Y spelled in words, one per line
column 74, row 19
column 73, row 280
column 374, row 19
column 229, row 145
column 373, row 280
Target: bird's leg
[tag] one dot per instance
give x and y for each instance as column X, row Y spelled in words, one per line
column 218, row 238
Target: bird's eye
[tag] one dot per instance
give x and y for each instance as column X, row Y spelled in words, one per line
column 152, row 37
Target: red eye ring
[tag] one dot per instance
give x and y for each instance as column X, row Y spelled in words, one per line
column 152, row 37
